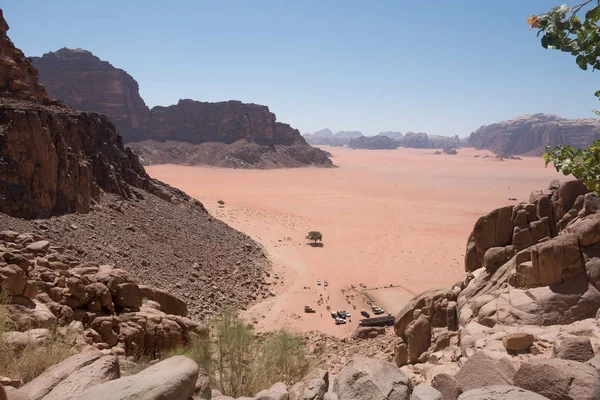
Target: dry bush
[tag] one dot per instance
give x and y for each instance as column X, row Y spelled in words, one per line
column 238, row 364
column 30, row 362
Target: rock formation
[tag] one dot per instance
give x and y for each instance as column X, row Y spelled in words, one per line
column 391, row 135
column 18, row 79
column 374, row 143
column 530, row 134
column 523, row 321
column 83, row 81
column 55, row 160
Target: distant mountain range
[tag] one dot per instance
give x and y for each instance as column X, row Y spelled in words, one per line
column 525, row 135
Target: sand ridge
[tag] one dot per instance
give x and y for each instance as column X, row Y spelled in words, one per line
column 390, row 217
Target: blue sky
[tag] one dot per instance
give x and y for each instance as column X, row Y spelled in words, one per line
column 438, row 66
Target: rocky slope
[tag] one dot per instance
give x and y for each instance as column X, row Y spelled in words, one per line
column 239, row 154
column 83, row 81
column 374, row 143
column 93, row 197
column 530, row 134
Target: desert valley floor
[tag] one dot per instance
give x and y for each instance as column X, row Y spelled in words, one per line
column 394, row 223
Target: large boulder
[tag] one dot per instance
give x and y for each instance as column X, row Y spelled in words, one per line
column 574, row 348
column 517, row 341
column 278, row 391
column 481, row 370
column 103, row 370
column 171, row 379
column 559, row 379
column 500, row 392
column 425, row 392
column 44, row 384
column 371, row 379
column 169, row 303
column 447, row 385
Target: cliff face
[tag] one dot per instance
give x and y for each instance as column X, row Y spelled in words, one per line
column 18, row 78
column 85, row 82
column 54, row 159
column 226, row 122
column 532, row 133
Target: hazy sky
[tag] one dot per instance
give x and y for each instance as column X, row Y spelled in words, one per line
column 441, row 67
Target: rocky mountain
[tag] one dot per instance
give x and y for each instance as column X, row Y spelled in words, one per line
column 323, row 132
column 410, row 140
column 83, row 81
column 374, row 143
column 391, row 135
column 92, row 198
column 530, row 134
column 348, row 134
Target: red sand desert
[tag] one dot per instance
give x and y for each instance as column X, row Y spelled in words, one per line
column 388, row 217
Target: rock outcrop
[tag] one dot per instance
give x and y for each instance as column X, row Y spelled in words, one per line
column 524, row 318
column 530, row 134
column 85, row 82
column 374, row 143
column 102, row 306
column 18, row 78
column 55, row 160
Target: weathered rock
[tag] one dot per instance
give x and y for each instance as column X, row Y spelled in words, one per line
column 532, row 133
column 18, row 78
column 574, row 348
column 315, row 390
column 277, row 391
column 447, row 385
column 517, row 341
column 367, row 332
column 559, row 379
column 425, row 392
column 481, row 370
column 365, row 379
column 32, row 337
column 500, row 392
column 104, row 369
column 13, row 394
column 54, row 376
column 169, row 303
column 128, row 296
column 418, row 334
column 173, row 378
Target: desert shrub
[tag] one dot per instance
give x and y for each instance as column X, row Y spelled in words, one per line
column 283, row 359
column 239, row 364
column 30, row 362
column 314, row 236
column 221, row 202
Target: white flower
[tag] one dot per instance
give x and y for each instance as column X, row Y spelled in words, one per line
column 564, row 8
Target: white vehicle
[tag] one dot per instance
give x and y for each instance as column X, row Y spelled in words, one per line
column 325, row 283
column 318, row 282
column 340, row 321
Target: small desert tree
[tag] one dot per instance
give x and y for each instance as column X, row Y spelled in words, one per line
column 221, row 202
column 315, row 236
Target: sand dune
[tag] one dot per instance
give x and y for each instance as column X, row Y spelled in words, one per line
column 391, row 217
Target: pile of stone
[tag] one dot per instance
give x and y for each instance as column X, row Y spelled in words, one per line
column 97, row 305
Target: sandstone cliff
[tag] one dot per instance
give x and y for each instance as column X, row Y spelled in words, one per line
column 532, row 133
column 83, row 81
column 18, row 78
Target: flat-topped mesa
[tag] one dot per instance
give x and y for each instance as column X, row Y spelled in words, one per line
column 85, row 82
column 532, row 133
column 18, row 78
column 226, row 122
